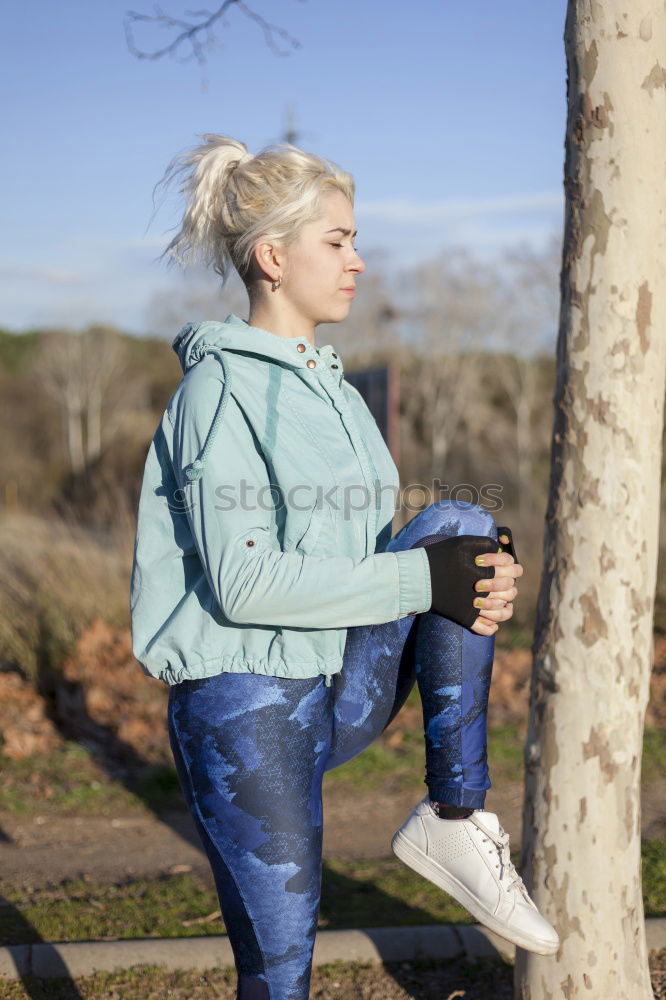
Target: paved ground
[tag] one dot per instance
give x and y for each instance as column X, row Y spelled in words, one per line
column 42, row 849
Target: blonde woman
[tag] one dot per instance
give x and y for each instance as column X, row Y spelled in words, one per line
column 269, row 594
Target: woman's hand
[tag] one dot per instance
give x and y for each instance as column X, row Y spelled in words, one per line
column 501, row 591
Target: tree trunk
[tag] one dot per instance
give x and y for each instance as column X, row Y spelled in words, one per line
column 94, row 423
column 74, row 434
column 593, row 640
column 525, row 441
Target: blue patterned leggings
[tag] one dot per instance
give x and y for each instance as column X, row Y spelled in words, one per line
column 251, row 752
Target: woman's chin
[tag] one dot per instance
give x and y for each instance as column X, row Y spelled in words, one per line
column 337, row 313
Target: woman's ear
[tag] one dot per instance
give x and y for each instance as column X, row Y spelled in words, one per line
column 270, row 260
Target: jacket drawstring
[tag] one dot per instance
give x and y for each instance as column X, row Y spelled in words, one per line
column 195, row 470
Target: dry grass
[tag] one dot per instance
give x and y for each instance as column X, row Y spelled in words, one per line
column 55, row 579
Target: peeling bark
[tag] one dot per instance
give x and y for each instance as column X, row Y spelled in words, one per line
column 593, row 638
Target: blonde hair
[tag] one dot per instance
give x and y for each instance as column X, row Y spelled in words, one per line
column 235, row 199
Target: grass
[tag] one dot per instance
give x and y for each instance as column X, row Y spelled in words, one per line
column 654, row 877
column 654, row 754
column 56, row 577
column 383, row 893
column 422, row 980
column 77, row 910
column 402, row 763
column 71, row 782
column 354, row 894
column 140, row 983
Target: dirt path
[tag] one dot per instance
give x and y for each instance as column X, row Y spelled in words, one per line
column 49, row 849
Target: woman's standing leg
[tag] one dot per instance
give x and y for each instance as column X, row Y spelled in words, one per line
column 451, row 664
column 250, row 752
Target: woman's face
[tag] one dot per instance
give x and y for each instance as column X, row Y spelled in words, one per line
column 321, row 267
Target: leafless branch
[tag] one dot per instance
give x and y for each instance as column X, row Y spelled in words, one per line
column 199, row 33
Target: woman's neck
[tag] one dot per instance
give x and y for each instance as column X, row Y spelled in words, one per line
column 280, row 319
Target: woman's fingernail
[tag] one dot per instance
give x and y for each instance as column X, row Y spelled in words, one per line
column 500, row 549
column 480, row 561
column 479, row 602
column 505, row 539
column 483, row 585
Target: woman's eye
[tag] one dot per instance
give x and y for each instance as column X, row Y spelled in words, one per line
column 355, row 249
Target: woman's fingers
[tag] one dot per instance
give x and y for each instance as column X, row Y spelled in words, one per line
column 494, row 583
column 500, row 589
column 488, row 622
column 498, row 614
column 503, row 561
column 497, row 599
column 483, row 627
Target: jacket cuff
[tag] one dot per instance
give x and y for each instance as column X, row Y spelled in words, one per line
column 415, row 591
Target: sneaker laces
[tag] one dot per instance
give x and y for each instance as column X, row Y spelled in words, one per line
column 507, row 871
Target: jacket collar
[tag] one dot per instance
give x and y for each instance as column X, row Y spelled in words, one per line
column 234, row 334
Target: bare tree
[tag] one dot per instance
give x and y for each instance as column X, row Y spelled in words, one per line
column 90, row 377
column 593, row 643
column 58, row 370
column 193, row 35
column 447, row 315
column 526, row 324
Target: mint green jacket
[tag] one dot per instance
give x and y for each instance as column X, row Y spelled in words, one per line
column 266, row 507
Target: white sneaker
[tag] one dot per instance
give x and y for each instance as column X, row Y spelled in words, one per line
column 469, row 859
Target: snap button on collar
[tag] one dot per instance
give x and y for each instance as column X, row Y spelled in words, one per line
column 300, row 347
column 311, row 363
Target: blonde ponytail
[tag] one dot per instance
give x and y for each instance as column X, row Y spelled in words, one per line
column 235, row 199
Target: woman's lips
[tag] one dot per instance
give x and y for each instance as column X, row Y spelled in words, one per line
column 349, row 291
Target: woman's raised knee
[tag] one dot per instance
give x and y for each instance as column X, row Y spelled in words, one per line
column 455, row 517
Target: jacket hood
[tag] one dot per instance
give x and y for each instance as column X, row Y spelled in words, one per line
column 196, row 340
column 234, row 334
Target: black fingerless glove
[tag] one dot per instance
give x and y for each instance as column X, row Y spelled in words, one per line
column 453, row 574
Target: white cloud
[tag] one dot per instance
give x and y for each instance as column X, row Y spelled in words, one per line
column 47, row 275
column 412, row 231
column 410, row 212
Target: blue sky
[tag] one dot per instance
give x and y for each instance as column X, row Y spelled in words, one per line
column 449, row 114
